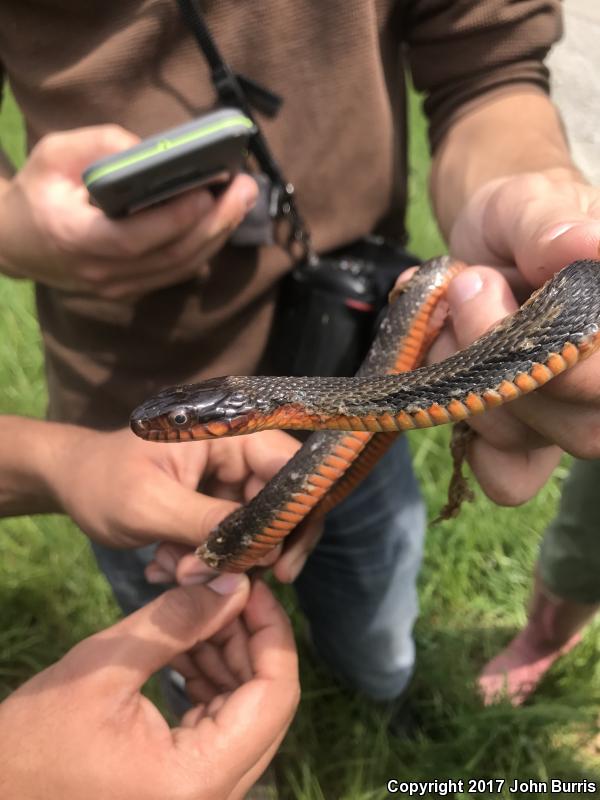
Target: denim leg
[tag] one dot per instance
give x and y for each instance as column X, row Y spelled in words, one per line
column 358, row 588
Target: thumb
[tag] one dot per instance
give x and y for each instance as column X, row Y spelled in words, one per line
column 478, row 298
column 70, row 152
column 543, row 225
column 558, row 245
column 128, row 653
column 181, row 514
column 269, row 451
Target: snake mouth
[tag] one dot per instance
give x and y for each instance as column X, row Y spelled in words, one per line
column 185, row 413
column 161, row 429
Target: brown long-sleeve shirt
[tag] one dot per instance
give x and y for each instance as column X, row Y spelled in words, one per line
column 340, row 138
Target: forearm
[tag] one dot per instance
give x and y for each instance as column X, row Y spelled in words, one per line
column 30, row 453
column 512, row 133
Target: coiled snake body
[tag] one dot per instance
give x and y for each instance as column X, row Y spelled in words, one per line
column 358, row 418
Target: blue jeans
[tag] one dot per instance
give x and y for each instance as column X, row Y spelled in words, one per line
column 358, row 588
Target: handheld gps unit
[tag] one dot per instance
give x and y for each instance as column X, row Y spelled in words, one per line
column 208, row 150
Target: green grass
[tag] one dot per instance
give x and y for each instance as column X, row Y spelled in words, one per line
column 473, row 588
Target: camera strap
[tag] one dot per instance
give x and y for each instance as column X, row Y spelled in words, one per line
column 244, row 93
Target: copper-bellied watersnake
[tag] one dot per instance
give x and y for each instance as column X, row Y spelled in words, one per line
column 554, row 329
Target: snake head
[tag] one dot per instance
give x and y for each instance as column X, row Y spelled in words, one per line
column 204, row 410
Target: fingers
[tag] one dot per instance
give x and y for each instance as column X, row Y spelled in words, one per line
column 272, row 649
column 478, row 298
column 143, row 238
column 209, row 662
column 268, row 452
column 131, row 651
column 519, row 445
column 217, row 666
column 563, row 413
column 174, row 563
column 578, row 385
column 573, row 426
column 82, row 146
column 298, row 547
column 203, row 710
column 401, row 281
column 176, row 513
column 510, row 479
column 258, row 456
column 233, row 642
column 542, row 224
column 560, row 244
column 51, row 231
column 255, row 717
column 101, row 280
column 152, row 248
column 141, row 234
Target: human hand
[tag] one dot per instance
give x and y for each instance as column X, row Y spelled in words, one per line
column 82, row 728
column 125, row 492
column 528, row 227
column 177, row 563
column 50, row 233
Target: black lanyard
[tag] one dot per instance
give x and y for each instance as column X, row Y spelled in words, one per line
column 243, row 93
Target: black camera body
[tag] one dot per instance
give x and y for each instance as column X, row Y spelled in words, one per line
column 329, row 308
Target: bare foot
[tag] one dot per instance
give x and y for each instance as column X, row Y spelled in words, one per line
column 516, row 671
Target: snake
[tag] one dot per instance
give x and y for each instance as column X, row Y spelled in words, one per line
column 356, row 419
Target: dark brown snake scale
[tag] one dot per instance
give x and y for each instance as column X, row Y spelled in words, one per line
column 555, row 328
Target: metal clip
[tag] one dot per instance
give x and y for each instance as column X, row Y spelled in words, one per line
column 298, row 242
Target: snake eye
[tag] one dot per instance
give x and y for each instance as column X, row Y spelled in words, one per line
column 180, row 417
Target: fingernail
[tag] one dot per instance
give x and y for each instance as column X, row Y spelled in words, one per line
column 465, row 286
column 558, row 230
column 296, row 567
column 195, row 572
column 228, row 582
column 157, row 575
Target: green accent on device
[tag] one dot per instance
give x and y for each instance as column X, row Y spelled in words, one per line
column 208, row 150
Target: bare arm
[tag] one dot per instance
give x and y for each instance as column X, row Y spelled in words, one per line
column 513, row 132
column 26, row 447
